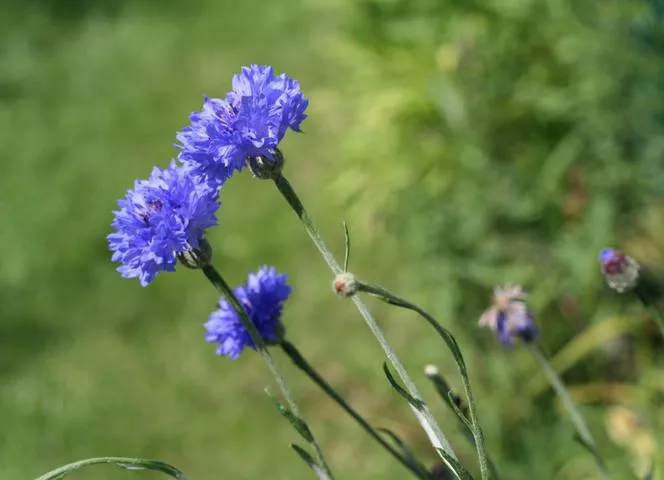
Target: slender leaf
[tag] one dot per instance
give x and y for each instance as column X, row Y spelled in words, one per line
column 453, row 346
column 299, row 424
column 454, row 405
column 124, row 462
column 454, row 465
column 347, row 241
column 414, row 402
column 308, row 459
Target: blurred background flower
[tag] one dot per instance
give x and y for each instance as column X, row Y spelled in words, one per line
column 508, row 316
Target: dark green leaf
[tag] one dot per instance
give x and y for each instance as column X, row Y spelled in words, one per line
column 299, row 424
column 308, row 459
column 454, row 465
column 415, row 402
column 124, row 462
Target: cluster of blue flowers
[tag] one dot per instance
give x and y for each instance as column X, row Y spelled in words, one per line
column 249, row 123
column 166, row 216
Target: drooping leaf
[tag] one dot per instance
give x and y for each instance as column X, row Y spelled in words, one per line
column 124, row 462
column 308, row 459
column 297, row 423
column 414, row 402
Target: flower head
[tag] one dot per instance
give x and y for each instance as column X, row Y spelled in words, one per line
column 620, row 270
column 250, row 122
column 262, row 297
column 509, row 317
column 161, row 218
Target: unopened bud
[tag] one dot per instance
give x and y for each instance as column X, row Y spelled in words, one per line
column 266, row 167
column 345, row 284
column 197, row 257
column 431, row 370
column 620, row 270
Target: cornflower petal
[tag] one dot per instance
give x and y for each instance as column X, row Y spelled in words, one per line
column 161, row 218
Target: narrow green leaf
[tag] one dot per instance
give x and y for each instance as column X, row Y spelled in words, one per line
column 124, row 462
column 455, row 403
column 452, row 344
column 347, row 252
column 416, row 403
column 651, row 473
column 299, row 424
column 308, row 459
column 454, row 465
column 456, row 408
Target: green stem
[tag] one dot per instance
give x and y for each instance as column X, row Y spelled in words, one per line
column 297, row 358
column 423, row 415
column 656, row 313
column 478, row 436
column 465, row 424
column 124, row 462
column 572, row 409
column 218, row 281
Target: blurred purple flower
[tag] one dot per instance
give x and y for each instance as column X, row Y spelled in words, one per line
column 509, row 317
column 262, row 297
column 161, row 218
column 620, row 270
column 249, row 123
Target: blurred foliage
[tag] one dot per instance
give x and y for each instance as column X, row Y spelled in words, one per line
column 509, row 141
column 472, row 143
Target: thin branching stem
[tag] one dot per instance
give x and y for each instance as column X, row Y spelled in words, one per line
column 220, row 284
column 449, row 339
column 451, row 399
column 572, row 409
column 298, row 359
column 423, row 414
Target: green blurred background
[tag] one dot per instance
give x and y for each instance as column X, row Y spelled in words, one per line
column 467, row 144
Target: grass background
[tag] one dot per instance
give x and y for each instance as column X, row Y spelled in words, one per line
column 91, row 95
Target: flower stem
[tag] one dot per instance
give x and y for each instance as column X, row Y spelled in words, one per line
column 297, row 358
column 456, row 405
column 571, row 407
column 449, row 339
column 423, row 414
column 649, row 305
column 220, row 284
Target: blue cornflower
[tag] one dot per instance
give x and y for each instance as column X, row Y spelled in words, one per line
column 250, row 122
column 262, row 297
column 620, row 270
column 161, row 218
column 509, row 316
